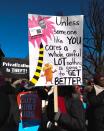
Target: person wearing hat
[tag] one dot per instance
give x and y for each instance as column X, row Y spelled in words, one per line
column 95, row 111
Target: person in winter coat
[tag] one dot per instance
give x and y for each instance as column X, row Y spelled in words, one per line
column 95, row 111
column 71, row 115
column 7, row 122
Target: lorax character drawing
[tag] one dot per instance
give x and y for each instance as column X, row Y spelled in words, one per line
column 48, row 72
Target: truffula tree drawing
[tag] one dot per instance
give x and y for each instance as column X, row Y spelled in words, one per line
column 40, row 29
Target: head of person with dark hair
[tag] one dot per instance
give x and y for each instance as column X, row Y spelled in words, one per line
column 77, row 89
column 99, row 79
column 42, row 92
column 65, row 90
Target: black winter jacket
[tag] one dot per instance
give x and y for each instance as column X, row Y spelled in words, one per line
column 95, row 112
column 74, row 120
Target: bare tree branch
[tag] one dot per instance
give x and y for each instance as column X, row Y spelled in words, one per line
column 94, row 45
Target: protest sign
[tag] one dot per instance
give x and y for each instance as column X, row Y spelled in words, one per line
column 29, row 105
column 55, row 49
column 15, row 68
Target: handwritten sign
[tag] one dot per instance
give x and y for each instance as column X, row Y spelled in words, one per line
column 59, row 61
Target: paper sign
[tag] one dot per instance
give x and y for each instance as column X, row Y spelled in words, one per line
column 35, row 31
column 55, row 56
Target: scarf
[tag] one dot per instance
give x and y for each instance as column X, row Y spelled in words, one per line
column 98, row 89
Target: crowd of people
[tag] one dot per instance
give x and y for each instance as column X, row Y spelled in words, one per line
column 79, row 108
